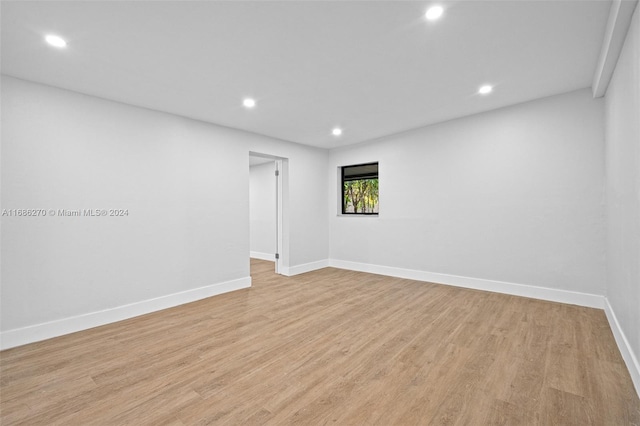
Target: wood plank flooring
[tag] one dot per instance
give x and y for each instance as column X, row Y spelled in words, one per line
column 329, row 347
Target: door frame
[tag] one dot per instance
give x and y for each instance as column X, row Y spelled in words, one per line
column 281, row 174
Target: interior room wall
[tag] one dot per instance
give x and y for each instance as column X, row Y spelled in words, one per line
column 184, row 183
column 262, row 211
column 622, row 165
column 512, row 196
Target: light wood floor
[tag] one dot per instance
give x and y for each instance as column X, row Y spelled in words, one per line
column 330, row 347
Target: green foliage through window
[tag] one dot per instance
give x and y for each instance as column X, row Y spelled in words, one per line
column 360, row 189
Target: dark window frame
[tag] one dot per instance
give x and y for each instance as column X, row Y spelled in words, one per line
column 357, row 177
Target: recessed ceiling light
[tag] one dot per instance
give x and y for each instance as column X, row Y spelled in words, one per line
column 336, row 131
column 249, row 103
column 55, row 41
column 434, row 12
column 485, row 90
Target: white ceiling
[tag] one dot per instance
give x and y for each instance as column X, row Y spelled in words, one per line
column 372, row 68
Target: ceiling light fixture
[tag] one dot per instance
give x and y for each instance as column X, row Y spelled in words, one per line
column 336, row 131
column 485, row 90
column 434, row 12
column 249, row 103
column 56, row 41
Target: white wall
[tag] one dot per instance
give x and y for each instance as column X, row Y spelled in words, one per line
column 513, row 195
column 184, row 182
column 623, row 195
column 262, row 210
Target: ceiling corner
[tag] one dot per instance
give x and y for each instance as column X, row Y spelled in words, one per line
column 617, row 27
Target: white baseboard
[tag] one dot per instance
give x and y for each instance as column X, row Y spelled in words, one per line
column 544, row 293
column 35, row 333
column 626, row 351
column 305, row 267
column 263, row 256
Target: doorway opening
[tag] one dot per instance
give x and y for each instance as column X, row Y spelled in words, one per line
column 268, row 207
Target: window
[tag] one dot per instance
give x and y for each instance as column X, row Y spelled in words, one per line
column 360, row 189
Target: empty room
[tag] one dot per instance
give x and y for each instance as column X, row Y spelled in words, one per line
column 320, row 212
